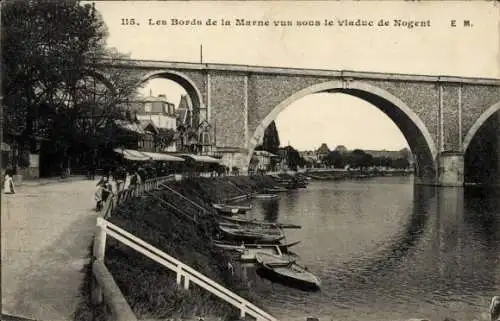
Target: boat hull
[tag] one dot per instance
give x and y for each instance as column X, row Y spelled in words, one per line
column 273, row 274
column 232, row 246
column 251, row 222
column 228, row 210
column 249, row 235
column 266, row 196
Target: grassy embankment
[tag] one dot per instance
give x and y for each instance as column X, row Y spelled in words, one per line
column 151, row 289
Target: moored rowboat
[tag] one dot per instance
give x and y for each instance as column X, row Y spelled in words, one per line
column 275, row 189
column 291, row 273
column 256, row 235
column 246, row 221
column 266, row 196
column 232, row 246
column 226, row 209
column 273, row 259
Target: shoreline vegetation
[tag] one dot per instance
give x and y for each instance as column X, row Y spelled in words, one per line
column 165, row 220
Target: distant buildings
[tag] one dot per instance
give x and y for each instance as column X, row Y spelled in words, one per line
column 322, row 151
column 341, row 149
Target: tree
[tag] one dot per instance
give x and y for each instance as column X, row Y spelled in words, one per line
column 335, row 159
column 271, row 140
column 51, row 78
column 360, row 159
column 400, row 163
column 293, row 158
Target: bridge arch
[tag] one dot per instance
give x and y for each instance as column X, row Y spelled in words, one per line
column 478, row 124
column 194, row 96
column 412, row 127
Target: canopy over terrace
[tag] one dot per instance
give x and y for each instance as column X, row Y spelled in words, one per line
column 136, row 155
column 202, row 158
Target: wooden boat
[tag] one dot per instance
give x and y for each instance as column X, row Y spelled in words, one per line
column 291, row 273
column 244, row 207
column 275, row 189
column 266, row 196
column 228, row 209
column 250, row 254
column 273, row 259
column 246, row 221
column 233, row 246
column 255, row 235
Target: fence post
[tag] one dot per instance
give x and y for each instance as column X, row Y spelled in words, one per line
column 242, row 311
column 99, row 249
column 179, row 275
column 96, row 295
column 186, row 282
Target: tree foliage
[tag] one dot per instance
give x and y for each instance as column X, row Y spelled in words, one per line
column 293, row 158
column 52, row 83
column 271, row 140
column 360, row 159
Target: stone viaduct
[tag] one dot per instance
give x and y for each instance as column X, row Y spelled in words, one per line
column 438, row 115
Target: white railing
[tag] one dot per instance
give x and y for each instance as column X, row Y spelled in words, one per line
column 185, row 274
column 106, row 289
column 198, row 206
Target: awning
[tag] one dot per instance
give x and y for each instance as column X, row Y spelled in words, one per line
column 131, row 154
column 202, row 158
column 264, row 153
column 135, row 155
column 163, row 157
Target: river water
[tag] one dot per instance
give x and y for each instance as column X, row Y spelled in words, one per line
column 386, row 249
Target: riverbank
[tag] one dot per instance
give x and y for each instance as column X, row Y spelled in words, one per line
column 150, row 289
column 340, row 174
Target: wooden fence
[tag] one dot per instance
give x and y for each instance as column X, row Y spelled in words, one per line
column 105, row 289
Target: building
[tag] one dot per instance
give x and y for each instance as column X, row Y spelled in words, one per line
column 135, row 135
column 341, row 149
column 156, row 109
column 261, row 160
column 322, row 151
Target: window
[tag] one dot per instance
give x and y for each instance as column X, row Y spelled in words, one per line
column 147, row 107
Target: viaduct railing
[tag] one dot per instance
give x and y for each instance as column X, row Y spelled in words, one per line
column 106, row 291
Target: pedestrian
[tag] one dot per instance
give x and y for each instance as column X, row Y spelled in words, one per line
column 8, row 183
column 495, row 308
column 135, row 179
column 98, row 196
column 107, row 191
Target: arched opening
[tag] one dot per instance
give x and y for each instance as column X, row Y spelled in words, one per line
column 482, row 149
column 411, row 126
column 171, row 103
column 193, row 97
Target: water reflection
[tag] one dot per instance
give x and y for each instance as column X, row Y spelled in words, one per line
column 271, row 210
column 387, row 249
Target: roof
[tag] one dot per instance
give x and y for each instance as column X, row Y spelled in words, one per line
column 145, row 123
column 127, row 125
column 202, row 158
column 136, row 155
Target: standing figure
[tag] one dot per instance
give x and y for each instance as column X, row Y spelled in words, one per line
column 8, row 184
column 495, row 308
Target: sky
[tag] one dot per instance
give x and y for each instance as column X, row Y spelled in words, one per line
column 436, row 49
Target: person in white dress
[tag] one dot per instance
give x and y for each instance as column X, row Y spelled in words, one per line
column 495, row 308
column 8, row 184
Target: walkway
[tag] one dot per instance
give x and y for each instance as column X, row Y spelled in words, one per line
column 46, row 233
